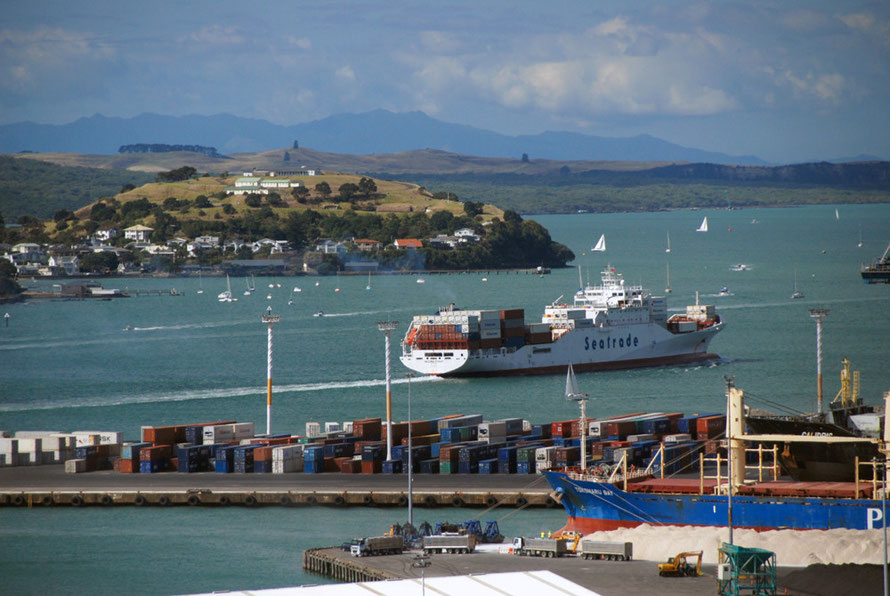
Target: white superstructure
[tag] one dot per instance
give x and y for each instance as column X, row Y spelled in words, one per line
column 612, row 325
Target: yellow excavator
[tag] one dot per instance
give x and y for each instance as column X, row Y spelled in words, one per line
column 679, row 566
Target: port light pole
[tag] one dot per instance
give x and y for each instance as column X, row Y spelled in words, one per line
column 819, row 314
column 270, row 320
column 410, row 459
column 387, row 328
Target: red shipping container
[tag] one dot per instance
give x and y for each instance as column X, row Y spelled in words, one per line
column 621, row 428
column 173, row 464
column 372, row 467
column 562, row 428
column 514, row 332
column 116, row 464
column 262, row 454
column 513, row 313
column 367, row 428
column 350, row 466
column 711, row 426
column 399, row 432
column 160, row 435
column 330, row 465
column 155, row 453
column 128, row 466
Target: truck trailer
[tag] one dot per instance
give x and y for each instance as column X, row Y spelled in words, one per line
column 610, row 551
column 449, row 543
column 539, row 547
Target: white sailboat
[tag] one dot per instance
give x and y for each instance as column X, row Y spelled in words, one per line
column 227, row 295
column 704, row 225
column 860, row 236
column 600, row 245
column 795, row 293
column 668, row 249
column 368, row 287
column 201, row 280
column 836, row 214
column 667, row 290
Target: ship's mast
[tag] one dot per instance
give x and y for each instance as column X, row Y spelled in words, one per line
column 819, row 314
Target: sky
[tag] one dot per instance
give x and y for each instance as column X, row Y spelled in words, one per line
column 787, row 81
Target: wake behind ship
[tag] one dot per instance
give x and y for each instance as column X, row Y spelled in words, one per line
column 609, row 326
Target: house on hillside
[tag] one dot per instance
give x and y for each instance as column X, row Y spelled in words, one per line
column 367, row 245
column 409, row 243
column 139, row 233
column 67, row 265
column 466, row 235
column 329, row 247
column 105, row 234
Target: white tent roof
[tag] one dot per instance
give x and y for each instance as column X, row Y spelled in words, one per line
column 518, row 583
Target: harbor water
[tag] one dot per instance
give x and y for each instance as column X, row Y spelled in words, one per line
column 156, row 360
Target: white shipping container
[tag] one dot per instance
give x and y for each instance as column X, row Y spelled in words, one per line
column 545, row 454
column 347, row 426
column 287, row 466
column 540, row 465
column 313, row 429
column 9, row 446
column 243, row 430
column 85, row 439
column 66, row 440
column 31, row 445
column 284, row 452
column 35, row 434
column 331, row 427
column 492, row 429
column 73, row 466
column 678, row 438
column 641, row 437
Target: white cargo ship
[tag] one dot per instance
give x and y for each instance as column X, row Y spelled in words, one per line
column 609, row 326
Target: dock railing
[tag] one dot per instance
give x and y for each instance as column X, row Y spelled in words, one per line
column 876, row 481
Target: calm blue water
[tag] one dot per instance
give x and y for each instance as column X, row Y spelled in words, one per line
column 73, row 366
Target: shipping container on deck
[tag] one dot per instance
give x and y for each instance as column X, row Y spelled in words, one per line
column 709, row 427
column 369, row 429
column 488, row 466
column 372, row 467
column 562, row 428
column 688, row 424
column 392, row 466
column 463, row 420
column 429, row 466
column 525, row 467
column 468, row 467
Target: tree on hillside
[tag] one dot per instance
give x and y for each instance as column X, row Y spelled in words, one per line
column 127, row 188
column 347, row 191
column 99, row 262
column 323, row 188
column 472, row 208
column 286, row 156
column 296, row 144
column 8, row 271
column 525, row 158
column 202, row 202
column 367, row 186
column 300, row 193
column 177, row 175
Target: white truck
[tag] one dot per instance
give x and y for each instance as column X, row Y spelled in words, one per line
column 377, row 545
column 539, row 547
column 610, row 551
column 449, row 543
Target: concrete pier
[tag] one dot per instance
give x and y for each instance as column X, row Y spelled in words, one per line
column 48, row 486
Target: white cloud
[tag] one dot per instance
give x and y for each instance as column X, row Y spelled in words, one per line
column 216, row 35
column 345, row 74
column 304, row 43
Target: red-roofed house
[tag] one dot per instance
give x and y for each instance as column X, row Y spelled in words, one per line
column 367, row 244
column 408, row 243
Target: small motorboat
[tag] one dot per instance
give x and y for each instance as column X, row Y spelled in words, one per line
column 128, row 328
column 724, row 291
column 420, row 280
column 319, row 314
column 739, row 267
column 298, row 289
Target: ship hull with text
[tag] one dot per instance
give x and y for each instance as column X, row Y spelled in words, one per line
column 610, row 326
column 598, row 506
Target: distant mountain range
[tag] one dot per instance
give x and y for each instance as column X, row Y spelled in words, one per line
column 375, row 132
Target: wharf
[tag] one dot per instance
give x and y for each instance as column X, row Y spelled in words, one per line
column 610, row 578
column 51, row 486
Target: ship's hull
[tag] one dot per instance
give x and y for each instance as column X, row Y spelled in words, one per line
column 588, row 349
column 593, row 506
